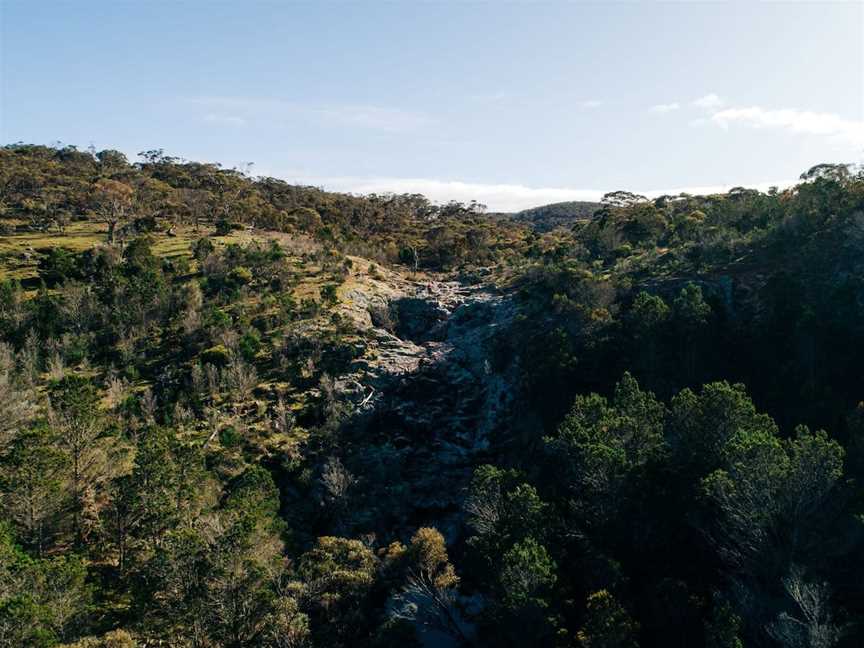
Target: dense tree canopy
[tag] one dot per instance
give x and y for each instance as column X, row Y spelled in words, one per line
column 200, row 444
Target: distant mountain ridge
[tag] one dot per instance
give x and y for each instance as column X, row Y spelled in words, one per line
column 561, row 214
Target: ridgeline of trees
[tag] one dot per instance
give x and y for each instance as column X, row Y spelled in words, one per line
column 685, row 465
column 44, row 188
column 562, row 214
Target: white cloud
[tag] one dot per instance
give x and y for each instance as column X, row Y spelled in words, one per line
column 666, row 108
column 229, row 120
column 709, row 101
column 795, row 121
column 498, row 197
column 843, row 132
column 590, row 103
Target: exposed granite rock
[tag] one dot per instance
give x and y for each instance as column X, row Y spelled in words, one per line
column 431, row 395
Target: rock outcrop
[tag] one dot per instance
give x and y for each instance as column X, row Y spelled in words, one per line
column 430, row 394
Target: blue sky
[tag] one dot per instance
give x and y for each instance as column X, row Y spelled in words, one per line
column 515, row 104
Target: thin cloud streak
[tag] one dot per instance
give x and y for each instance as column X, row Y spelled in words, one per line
column 709, row 101
column 268, row 111
column 666, row 108
column 374, row 117
column 228, row 120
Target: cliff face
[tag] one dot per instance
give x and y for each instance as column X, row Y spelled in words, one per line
column 429, row 399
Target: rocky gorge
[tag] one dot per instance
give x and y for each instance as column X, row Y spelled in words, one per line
column 430, row 397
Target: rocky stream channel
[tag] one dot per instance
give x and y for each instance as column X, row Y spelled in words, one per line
column 430, row 392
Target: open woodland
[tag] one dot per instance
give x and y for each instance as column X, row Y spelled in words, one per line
column 237, row 412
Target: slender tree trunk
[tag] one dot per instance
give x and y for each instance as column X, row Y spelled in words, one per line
column 31, row 525
column 121, row 544
column 76, row 493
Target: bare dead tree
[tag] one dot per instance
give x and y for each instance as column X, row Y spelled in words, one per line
column 814, row 625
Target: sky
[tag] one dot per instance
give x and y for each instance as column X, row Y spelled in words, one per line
column 514, row 104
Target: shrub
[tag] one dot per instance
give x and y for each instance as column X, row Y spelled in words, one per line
column 59, row 265
column 309, row 307
column 230, row 437
column 223, row 227
column 240, row 276
column 216, row 355
column 218, row 318
column 328, row 293
column 202, row 248
column 249, row 345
